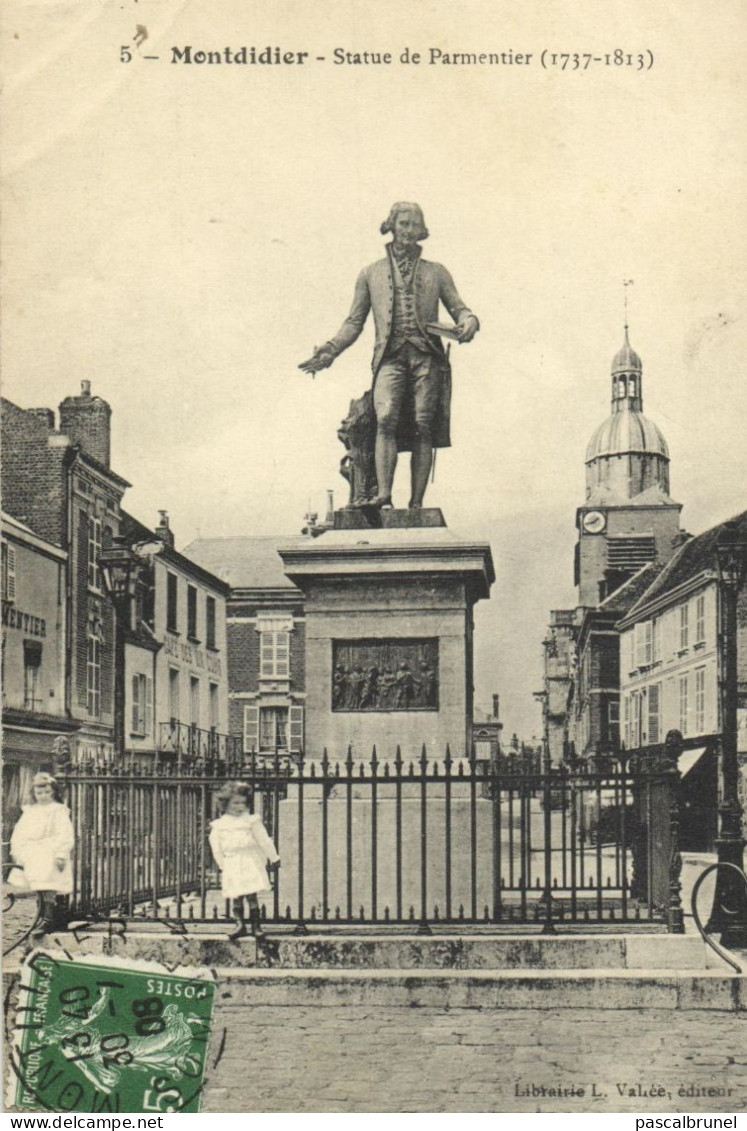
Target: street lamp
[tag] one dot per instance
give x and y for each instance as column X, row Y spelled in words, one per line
column 729, row 912
column 119, row 573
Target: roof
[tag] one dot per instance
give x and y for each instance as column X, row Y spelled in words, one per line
column 626, row 431
column 653, row 496
column 14, row 528
column 247, row 562
column 631, row 591
column 694, row 557
column 626, row 360
column 136, row 531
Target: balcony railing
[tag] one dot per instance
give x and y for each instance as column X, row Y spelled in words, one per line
column 191, row 742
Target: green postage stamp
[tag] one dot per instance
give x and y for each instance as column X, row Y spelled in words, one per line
column 100, row 1036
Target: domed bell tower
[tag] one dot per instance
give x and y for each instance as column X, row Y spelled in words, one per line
column 628, row 518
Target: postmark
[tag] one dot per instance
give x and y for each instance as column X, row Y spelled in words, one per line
column 101, row 1035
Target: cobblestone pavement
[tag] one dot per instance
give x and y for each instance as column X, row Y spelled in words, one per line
column 423, row 1060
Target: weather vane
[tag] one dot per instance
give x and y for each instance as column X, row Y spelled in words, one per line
column 626, row 283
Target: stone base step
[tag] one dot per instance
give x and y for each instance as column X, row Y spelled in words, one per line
column 392, row 952
column 485, row 989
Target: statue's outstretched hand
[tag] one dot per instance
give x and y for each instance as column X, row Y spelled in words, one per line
column 321, row 358
column 468, row 329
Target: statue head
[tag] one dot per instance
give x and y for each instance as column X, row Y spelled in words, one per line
column 406, row 223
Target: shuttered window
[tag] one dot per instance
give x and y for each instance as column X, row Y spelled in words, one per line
column 700, row 700
column 210, row 622
column 654, row 713
column 644, row 639
column 191, row 612
column 295, row 730
column 9, row 572
column 94, row 552
column 251, row 730
column 684, row 626
column 142, row 704
column 700, row 633
column 93, row 673
column 684, row 704
column 274, row 657
column 172, row 612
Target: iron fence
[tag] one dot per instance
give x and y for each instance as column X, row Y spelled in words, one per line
column 194, row 743
column 388, row 843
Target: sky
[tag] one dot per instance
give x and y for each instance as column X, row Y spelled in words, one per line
column 183, row 236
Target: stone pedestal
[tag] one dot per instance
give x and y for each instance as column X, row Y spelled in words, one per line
column 389, row 635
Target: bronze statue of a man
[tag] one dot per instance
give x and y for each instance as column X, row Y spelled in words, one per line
column 411, row 372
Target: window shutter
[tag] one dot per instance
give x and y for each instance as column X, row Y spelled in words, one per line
column 295, row 736
column 148, row 706
column 653, row 713
column 282, row 654
column 267, row 654
column 136, row 704
column 251, row 729
column 10, row 592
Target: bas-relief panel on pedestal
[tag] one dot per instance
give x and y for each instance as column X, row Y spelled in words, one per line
column 385, row 675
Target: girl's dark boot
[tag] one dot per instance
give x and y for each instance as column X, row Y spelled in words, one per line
column 238, row 913
column 46, row 917
column 61, row 912
column 256, row 921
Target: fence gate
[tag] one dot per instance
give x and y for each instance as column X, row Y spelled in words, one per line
column 451, row 843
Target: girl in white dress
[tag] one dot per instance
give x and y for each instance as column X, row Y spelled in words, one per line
column 41, row 844
column 243, row 851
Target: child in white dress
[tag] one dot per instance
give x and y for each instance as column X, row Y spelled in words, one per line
column 41, row 844
column 243, row 851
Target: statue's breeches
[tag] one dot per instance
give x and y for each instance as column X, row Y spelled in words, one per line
column 408, row 376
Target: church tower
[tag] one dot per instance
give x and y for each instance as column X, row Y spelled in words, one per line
column 628, row 518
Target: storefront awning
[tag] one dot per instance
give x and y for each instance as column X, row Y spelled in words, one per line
column 688, row 759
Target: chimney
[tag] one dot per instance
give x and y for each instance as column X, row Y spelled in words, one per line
column 164, row 531
column 86, row 421
column 330, row 519
column 496, row 706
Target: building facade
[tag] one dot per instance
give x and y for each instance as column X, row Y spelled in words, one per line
column 34, row 637
column 176, row 674
column 265, row 642
column 671, row 670
column 58, row 483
